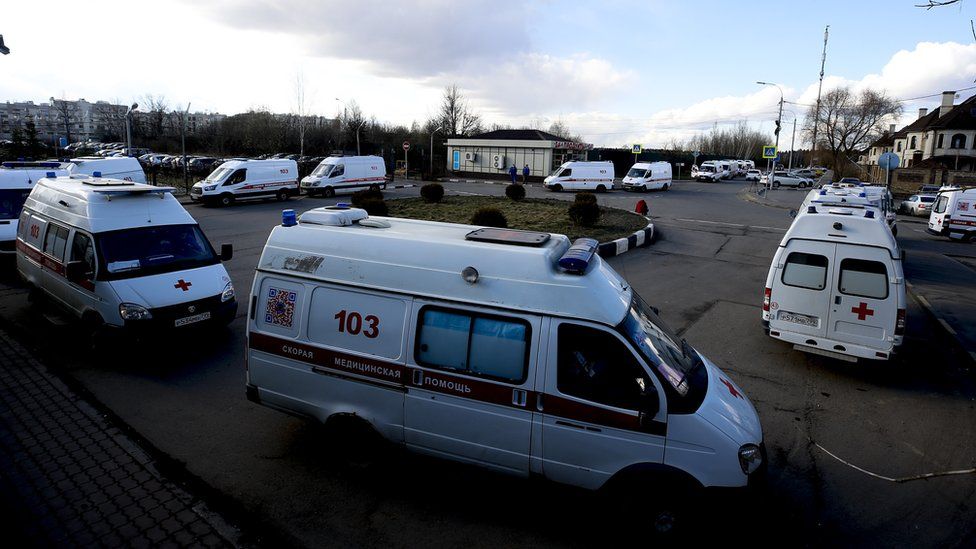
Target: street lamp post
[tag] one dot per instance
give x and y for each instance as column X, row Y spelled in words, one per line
column 779, row 121
column 128, row 126
column 432, row 150
column 793, row 142
column 358, row 152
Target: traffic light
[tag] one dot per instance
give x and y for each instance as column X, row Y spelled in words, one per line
column 776, row 131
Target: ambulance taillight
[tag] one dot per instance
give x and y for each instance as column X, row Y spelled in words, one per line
column 767, row 297
column 900, row 323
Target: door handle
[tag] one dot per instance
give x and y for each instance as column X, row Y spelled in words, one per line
column 519, row 397
column 837, row 300
column 418, row 377
column 538, row 402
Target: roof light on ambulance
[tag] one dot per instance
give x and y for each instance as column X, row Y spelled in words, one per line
column 577, row 257
column 288, row 218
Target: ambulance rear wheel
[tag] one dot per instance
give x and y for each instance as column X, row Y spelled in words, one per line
column 329, row 192
column 374, row 188
column 667, row 186
column 282, row 196
column 601, row 189
column 354, row 441
column 225, row 199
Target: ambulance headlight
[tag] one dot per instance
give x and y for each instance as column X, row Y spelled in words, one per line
column 131, row 311
column 228, row 293
column 209, row 187
column 750, row 458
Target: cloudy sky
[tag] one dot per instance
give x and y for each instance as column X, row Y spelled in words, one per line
column 615, row 72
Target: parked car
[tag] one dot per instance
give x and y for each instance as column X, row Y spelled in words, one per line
column 851, row 181
column 918, row 204
column 201, row 164
column 805, row 172
column 928, row 189
column 785, row 179
column 753, row 175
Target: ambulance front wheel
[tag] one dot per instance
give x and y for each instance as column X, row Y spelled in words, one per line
column 225, row 199
column 556, row 188
column 329, row 192
column 375, row 188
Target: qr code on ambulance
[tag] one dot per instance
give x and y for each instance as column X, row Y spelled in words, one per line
column 280, row 308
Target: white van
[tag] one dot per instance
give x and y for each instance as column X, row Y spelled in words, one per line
column 582, row 176
column 338, row 174
column 648, row 175
column 836, row 286
column 506, row 349
column 710, row 171
column 121, row 255
column 866, row 195
column 124, row 168
column 954, row 215
column 247, row 179
column 16, row 181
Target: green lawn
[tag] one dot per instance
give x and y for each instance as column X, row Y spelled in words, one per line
column 548, row 216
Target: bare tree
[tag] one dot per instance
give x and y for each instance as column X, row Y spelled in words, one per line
column 738, row 141
column 562, row 130
column 66, row 114
column 455, row 116
column 849, row 122
column 301, row 111
column 156, row 108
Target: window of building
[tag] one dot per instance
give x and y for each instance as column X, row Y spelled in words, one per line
column 55, row 241
column 473, row 344
column 805, row 270
column 863, row 278
column 596, row 366
column 912, row 143
column 958, row 141
column 941, row 141
column 899, row 146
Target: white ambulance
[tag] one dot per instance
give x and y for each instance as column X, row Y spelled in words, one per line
column 247, row 179
column 644, row 176
column 865, row 195
column 16, row 181
column 122, row 167
column 502, row 348
column 954, row 215
column 710, row 171
column 343, row 174
column 124, row 255
column 582, row 176
column 836, row 286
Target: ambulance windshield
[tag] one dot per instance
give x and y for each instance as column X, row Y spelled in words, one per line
column 11, row 202
column 677, row 364
column 637, row 172
column 322, row 170
column 219, row 174
column 131, row 253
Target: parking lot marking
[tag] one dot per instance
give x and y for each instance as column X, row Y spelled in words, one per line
column 711, row 222
column 946, row 326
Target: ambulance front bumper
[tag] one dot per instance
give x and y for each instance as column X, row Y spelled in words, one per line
column 207, row 312
column 830, row 347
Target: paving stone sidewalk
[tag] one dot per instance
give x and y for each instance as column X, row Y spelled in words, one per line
column 70, row 479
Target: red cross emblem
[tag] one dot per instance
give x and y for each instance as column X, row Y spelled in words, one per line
column 183, row 285
column 862, row 311
column 732, row 390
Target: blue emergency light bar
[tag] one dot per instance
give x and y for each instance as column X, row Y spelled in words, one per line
column 96, row 174
column 869, row 214
column 50, row 174
column 577, row 257
column 288, row 218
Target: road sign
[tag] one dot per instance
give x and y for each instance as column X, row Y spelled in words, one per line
column 889, row 161
column 769, row 151
column 696, row 154
column 406, row 145
column 63, row 141
column 680, row 164
column 636, row 149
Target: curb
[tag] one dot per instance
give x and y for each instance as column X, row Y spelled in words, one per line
column 751, row 197
column 941, row 322
column 620, row 246
column 486, row 182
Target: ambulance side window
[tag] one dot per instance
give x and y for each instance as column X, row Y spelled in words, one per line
column 940, row 205
column 55, row 241
column 474, row 344
column 863, row 278
column 566, row 172
column 596, row 366
column 82, row 250
column 237, row 177
column 340, row 169
column 805, row 270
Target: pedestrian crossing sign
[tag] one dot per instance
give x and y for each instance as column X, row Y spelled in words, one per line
column 769, row 151
column 636, row 149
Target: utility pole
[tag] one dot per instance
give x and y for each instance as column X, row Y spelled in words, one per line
column 432, row 151
column 816, row 112
column 779, row 123
column 792, row 143
column 186, row 180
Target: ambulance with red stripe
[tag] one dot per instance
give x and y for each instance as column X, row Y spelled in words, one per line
column 954, row 215
column 345, row 174
column 582, row 176
column 247, row 180
column 836, row 286
column 120, row 256
column 512, row 350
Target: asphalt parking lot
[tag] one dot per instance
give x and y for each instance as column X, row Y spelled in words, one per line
column 914, row 415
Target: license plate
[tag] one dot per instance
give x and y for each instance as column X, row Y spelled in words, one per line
column 191, row 319
column 803, row 320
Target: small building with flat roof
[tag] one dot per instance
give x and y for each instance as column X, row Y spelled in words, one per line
column 491, row 154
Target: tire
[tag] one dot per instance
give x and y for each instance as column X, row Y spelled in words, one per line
column 667, row 187
column 329, row 192
column 556, row 188
column 601, row 189
column 225, row 199
column 282, row 196
column 357, row 444
column 894, row 231
column 374, row 187
column 643, row 188
column 775, row 184
column 912, row 211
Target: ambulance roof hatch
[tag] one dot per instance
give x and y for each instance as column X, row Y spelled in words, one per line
column 508, row 236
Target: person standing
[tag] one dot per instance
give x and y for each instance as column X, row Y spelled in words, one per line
column 525, row 174
column 513, row 171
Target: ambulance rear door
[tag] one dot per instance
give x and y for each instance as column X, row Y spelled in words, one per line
column 801, row 294
column 864, row 304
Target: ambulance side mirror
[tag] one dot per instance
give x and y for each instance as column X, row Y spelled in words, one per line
column 226, row 252
column 792, row 213
column 76, row 271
